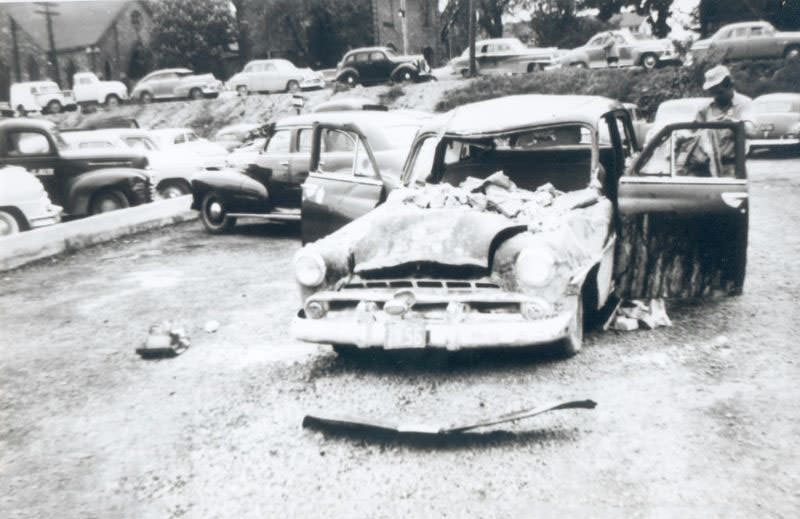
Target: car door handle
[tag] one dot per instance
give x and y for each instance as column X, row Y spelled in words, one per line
column 284, row 163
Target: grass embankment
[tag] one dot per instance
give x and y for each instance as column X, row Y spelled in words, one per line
column 645, row 88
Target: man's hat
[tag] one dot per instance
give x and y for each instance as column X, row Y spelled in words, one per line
column 715, row 76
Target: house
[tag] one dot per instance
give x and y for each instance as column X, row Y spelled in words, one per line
column 108, row 37
column 632, row 22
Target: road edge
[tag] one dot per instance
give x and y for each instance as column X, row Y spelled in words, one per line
column 29, row 246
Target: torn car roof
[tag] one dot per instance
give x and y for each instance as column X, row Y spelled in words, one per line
column 521, row 111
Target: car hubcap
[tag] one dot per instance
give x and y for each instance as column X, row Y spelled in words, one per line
column 6, row 227
column 215, row 211
column 108, row 204
column 794, row 53
column 650, row 62
column 172, row 192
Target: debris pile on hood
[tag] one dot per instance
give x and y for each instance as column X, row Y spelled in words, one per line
column 631, row 315
column 164, row 340
column 498, row 193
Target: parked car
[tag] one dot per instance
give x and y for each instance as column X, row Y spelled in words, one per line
column 88, row 89
column 232, row 136
column 175, row 83
column 504, row 55
column 40, row 96
column 773, row 121
column 24, row 203
column 186, row 141
column 675, row 111
column 83, row 181
column 270, row 187
column 749, row 40
column 371, row 65
column 633, row 48
column 274, row 75
column 340, row 104
column 465, row 257
column 172, row 172
column 115, row 121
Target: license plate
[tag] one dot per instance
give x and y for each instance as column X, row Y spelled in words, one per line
column 410, row 334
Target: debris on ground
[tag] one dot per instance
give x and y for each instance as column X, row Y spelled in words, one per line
column 164, row 340
column 211, row 326
column 351, row 425
column 631, row 315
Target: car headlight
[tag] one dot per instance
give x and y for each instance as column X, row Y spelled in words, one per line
column 309, row 268
column 535, row 267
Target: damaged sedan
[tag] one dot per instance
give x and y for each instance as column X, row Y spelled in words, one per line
column 517, row 218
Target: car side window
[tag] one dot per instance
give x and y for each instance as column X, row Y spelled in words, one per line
column 27, row 143
column 179, row 139
column 279, row 142
column 740, row 32
column 350, row 59
column 304, row 140
column 268, row 67
column 693, row 153
column 377, row 56
column 85, row 81
column 362, row 57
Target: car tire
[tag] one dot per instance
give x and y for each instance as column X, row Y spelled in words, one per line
column 195, row 94
column 579, row 64
column 173, row 189
column 792, row 52
column 53, row 107
column 9, row 225
column 404, row 76
column 145, row 98
column 112, row 101
column 349, row 79
column 108, row 200
column 21, row 111
column 292, row 87
column 241, row 91
column 649, row 61
column 215, row 219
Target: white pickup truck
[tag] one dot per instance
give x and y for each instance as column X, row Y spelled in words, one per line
column 88, row 89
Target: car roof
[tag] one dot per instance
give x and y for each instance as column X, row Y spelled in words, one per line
column 520, row 111
column 745, row 24
column 367, row 49
column 271, row 60
column 41, row 124
column 169, row 70
column 496, row 40
column 34, row 83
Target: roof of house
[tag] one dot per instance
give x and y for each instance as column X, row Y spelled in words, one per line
column 78, row 24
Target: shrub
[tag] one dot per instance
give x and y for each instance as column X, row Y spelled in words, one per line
column 391, row 95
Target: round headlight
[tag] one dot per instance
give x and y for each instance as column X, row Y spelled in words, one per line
column 535, row 267
column 309, row 268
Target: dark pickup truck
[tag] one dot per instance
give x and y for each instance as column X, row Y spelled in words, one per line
column 82, row 181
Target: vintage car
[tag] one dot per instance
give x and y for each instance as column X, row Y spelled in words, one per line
column 88, row 89
column 515, row 221
column 370, row 65
column 185, row 141
column 748, row 40
column 101, row 123
column 24, row 203
column 274, row 75
column 234, row 135
column 773, row 121
column 675, row 111
column 175, row 83
column 504, row 56
column 633, row 48
column 270, row 187
column 82, row 181
column 639, row 121
column 40, row 96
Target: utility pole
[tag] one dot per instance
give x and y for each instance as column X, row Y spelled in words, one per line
column 473, row 69
column 15, row 49
column 48, row 14
column 403, row 25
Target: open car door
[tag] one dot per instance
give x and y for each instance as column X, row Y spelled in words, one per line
column 343, row 181
column 683, row 207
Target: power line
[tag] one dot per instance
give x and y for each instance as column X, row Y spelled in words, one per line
column 48, row 13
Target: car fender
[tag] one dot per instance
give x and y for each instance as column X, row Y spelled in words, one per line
column 345, row 70
column 402, row 67
column 230, row 184
column 81, row 189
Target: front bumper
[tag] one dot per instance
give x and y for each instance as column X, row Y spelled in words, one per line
column 508, row 331
column 774, row 142
column 311, row 84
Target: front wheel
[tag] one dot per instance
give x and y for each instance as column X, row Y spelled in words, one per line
column 792, row 52
column 146, row 97
column 21, row 111
column 112, row 101
column 8, row 224
column 404, row 76
column 649, row 61
column 108, row 200
column 173, row 189
column 348, row 79
column 293, row 87
column 241, row 90
column 214, row 216
column 579, row 64
column 53, row 107
column 195, row 94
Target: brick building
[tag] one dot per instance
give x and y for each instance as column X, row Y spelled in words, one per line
column 108, row 37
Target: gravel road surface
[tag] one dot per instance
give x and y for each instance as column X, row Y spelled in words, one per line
column 697, row 420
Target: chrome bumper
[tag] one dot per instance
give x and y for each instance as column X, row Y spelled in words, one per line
column 513, row 331
column 773, row 142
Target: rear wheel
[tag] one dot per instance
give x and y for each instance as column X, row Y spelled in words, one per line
column 792, row 52
column 173, row 189
column 404, row 76
column 8, row 224
column 21, row 111
column 54, row 107
column 146, row 97
column 293, row 86
column 649, row 61
column 214, row 215
column 108, row 200
column 579, row 64
column 241, row 90
column 348, row 79
column 195, row 94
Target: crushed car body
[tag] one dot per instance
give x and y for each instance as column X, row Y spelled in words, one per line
column 505, row 231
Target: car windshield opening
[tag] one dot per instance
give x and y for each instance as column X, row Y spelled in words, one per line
column 558, row 154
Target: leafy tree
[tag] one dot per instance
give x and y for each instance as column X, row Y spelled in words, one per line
column 657, row 11
column 556, row 23
column 192, row 34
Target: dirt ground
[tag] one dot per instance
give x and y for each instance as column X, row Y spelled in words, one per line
column 697, row 420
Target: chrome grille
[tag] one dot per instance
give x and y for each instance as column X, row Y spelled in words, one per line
column 443, row 284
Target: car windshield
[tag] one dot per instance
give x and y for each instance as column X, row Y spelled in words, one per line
column 140, row 143
column 47, row 89
column 774, row 107
column 559, row 154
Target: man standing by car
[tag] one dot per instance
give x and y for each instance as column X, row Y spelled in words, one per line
column 727, row 105
column 611, row 50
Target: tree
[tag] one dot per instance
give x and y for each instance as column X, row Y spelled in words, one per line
column 657, row 11
column 556, row 23
column 191, row 34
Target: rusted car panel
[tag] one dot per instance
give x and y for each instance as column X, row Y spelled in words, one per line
column 528, row 262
